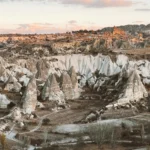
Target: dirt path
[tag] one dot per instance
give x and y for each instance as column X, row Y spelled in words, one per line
column 38, row 126
column 61, row 117
column 68, row 117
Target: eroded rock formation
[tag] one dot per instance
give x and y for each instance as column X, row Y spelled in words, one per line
column 118, row 31
column 134, row 89
column 76, row 72
column 74, row 80
column 29, row 98
column 3, row 72
column 52, row 92
column 42, row 70
column 16, row 114
column 4, row 101
column 67, row 86
column 12, row 85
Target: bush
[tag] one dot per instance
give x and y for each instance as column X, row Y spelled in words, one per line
column 101, row 134
column 46, row 121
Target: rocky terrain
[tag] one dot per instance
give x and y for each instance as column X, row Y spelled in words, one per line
column 131, row 28
column 71, row 79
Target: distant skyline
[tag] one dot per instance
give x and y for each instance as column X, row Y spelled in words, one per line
column 57, row 16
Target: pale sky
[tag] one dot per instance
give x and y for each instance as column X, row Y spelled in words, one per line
column 52, row 16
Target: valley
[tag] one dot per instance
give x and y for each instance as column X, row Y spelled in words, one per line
column 57, row 90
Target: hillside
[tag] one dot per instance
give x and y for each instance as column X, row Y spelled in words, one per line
column 130, row 28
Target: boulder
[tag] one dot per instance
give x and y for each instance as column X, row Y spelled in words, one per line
column 12, row 85
column 24, row 80
column 16, row 114
column 40, row 105
column 93, row 116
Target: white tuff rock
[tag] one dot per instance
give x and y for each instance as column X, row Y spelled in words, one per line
column 29, row 98
column 134, row 89
column 52, row 92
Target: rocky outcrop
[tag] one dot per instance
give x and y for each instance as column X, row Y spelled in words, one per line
column 129, row 28
column 3, row 72
column 42, row 70
column 131, row 91
column 2, row 68
column 4, row 101
column 74, row 78
column 118, row 31
column 74, row 81
column 126, row 45
column 66, row 86
column 99, row 45
column 51, row 91
column 69, row 85
column 23, row 75
column 134, row 89
column 12, row 85
column 30, row 64
column 85, row 66
column 16, row 114
column 45, row 91
column 91, row 71
column 29, row 98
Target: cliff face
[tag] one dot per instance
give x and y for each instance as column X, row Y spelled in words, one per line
column 74, row 72
column 88, row 66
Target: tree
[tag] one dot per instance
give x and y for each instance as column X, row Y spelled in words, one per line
column 46, row 121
